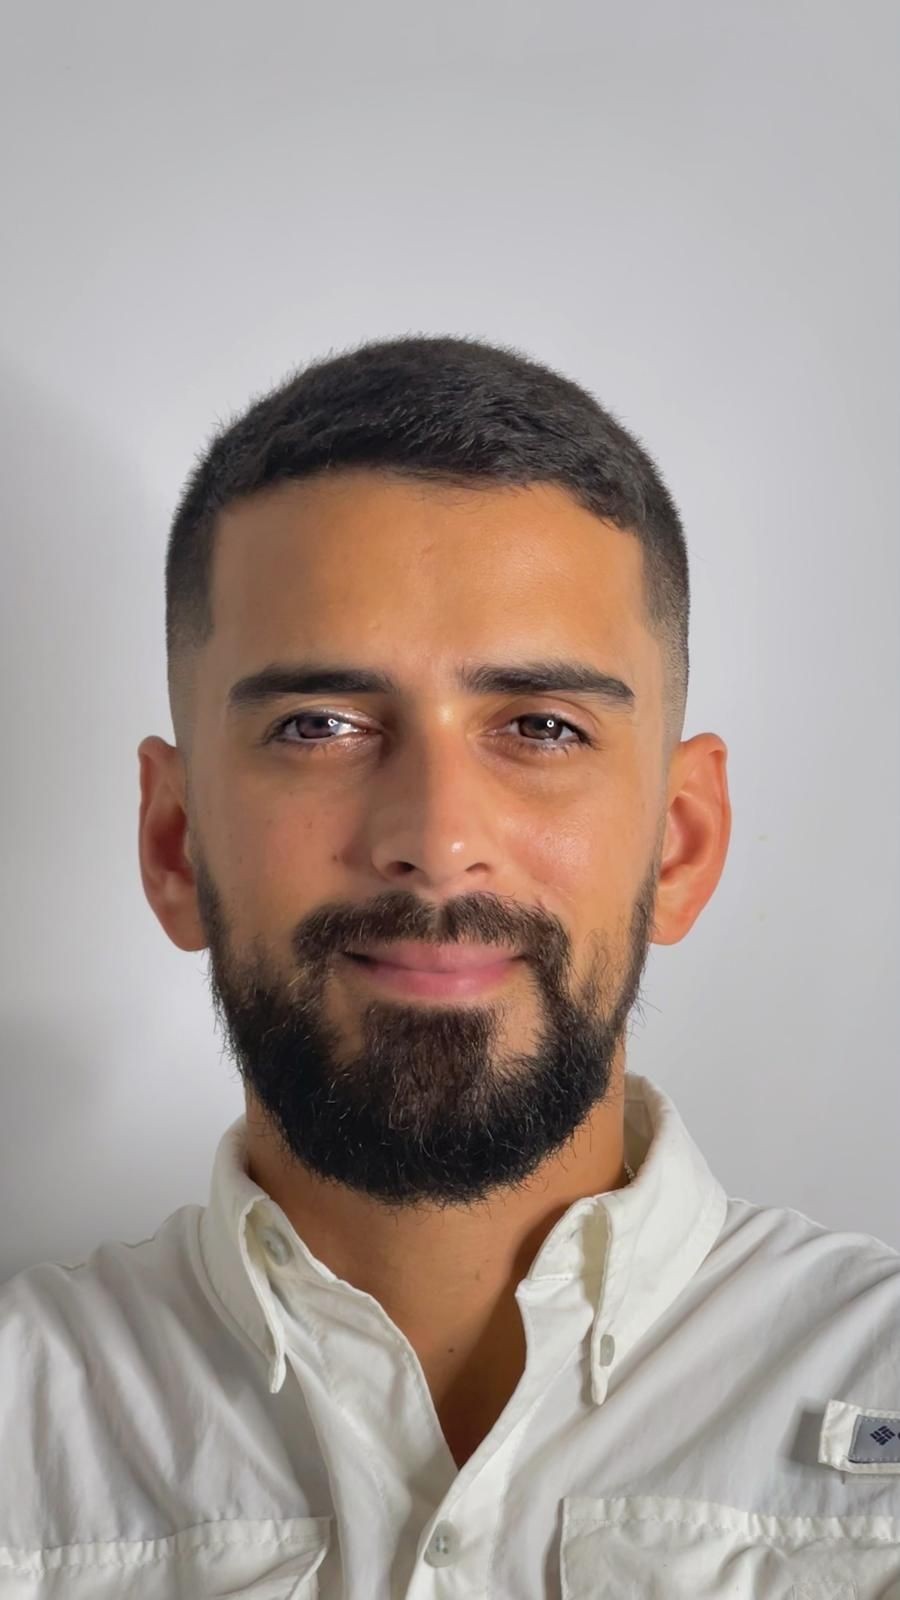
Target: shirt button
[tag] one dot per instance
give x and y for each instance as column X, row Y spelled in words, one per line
column 276, row 1246
column 607, row 1351
column 443, row 1546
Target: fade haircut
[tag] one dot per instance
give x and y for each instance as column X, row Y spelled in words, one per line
column 457, row 411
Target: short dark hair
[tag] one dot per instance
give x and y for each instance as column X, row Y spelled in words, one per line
column 455, row 410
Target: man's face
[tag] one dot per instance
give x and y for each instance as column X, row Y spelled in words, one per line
column 325, row 821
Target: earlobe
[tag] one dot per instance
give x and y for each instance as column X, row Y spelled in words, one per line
column 697, row 832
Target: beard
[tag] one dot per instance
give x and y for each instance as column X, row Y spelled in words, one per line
column 428, row 1109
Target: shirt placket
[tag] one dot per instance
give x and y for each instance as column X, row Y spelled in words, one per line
column 401, row 1505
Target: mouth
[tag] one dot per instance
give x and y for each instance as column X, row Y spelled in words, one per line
column 422, row 957
column 456, row 983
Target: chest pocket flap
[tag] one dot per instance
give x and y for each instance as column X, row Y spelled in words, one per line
column 644, row 1548
column 259, row 1560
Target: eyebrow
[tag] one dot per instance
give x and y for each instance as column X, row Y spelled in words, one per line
column 530, row 677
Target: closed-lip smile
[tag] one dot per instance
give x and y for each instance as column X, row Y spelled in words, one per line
column 417, row 957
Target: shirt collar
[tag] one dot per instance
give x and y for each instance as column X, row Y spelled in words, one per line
column 638, row 1246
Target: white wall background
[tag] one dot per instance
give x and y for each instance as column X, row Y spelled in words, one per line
column 690, row 208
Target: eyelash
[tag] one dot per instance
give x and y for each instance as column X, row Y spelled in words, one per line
column 539, row 744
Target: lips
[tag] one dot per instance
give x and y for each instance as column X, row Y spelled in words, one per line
column 434, row 958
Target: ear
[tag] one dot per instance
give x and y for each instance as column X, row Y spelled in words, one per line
column 164, row 847
column 696, row 835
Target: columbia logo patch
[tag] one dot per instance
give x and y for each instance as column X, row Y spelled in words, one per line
column 875, row 1439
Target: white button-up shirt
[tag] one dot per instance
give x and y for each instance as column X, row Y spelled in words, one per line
column 710, row 1408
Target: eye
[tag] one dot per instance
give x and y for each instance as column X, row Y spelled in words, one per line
column 557, row 723
column 552, row 745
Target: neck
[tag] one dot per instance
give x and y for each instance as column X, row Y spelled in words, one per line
column 435, row 1269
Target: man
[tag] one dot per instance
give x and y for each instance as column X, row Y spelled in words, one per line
column 467, row 1313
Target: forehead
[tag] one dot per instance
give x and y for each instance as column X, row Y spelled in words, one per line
column 368, row 566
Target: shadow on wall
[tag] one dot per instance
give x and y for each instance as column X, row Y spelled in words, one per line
column 80, row 543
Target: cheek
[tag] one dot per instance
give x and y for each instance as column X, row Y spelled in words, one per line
column 279, row 861
column 593, row 857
